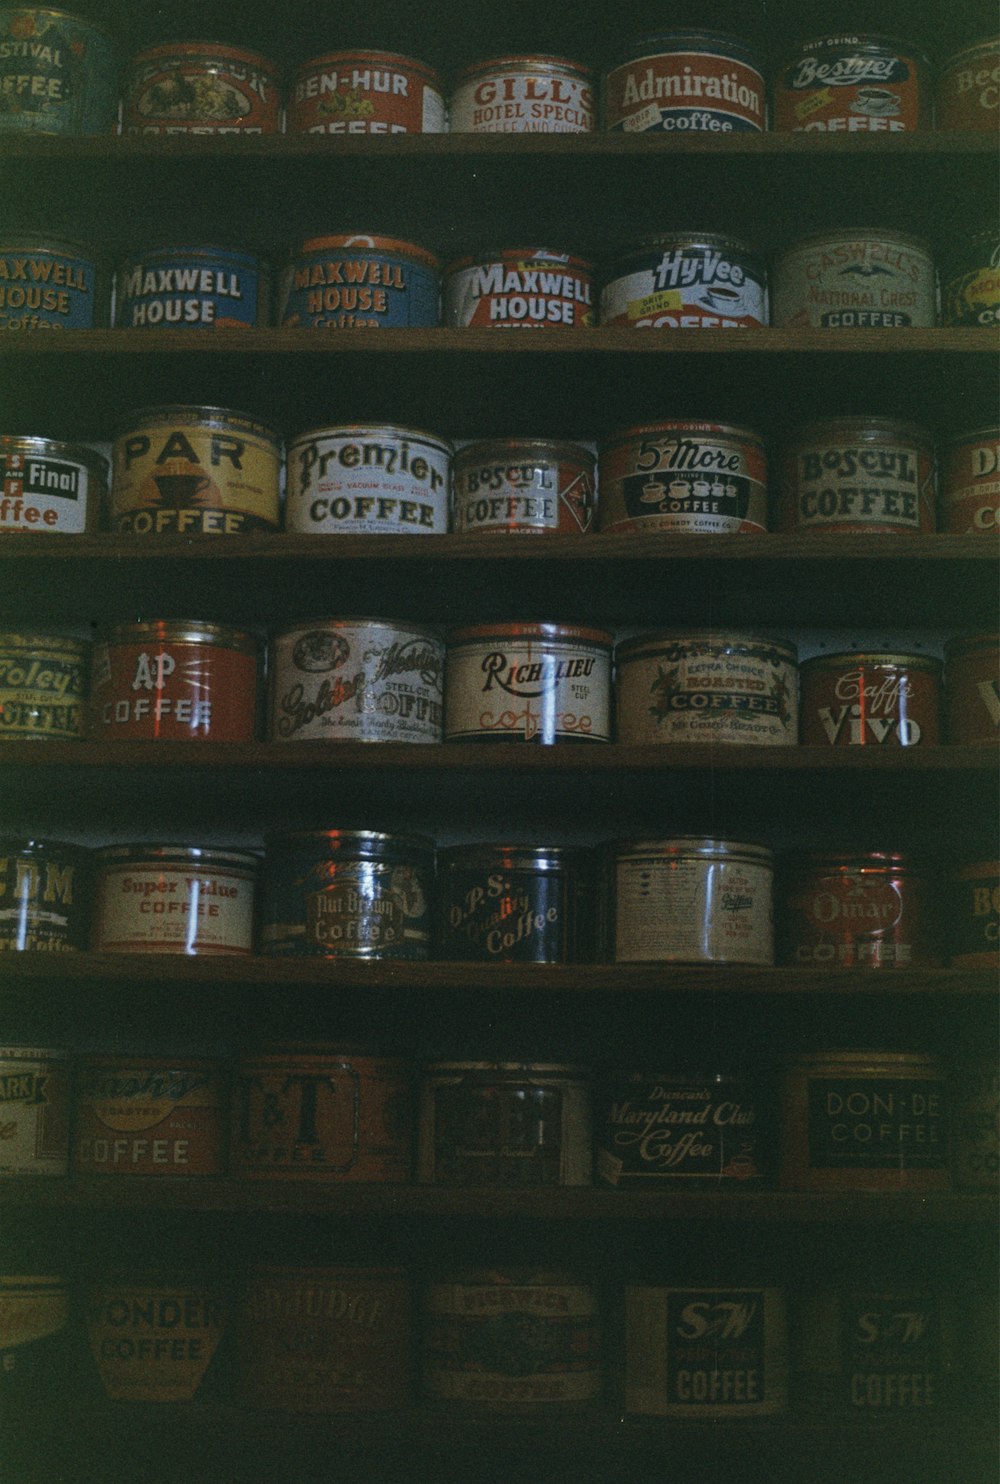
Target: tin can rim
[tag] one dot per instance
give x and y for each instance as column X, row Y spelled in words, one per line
column 174, row 1063
column 852, row 234
column 555, row 447
column 559, row 855
column 860, row 424
column 541, row 61
column 208, row 855
column 367, row 242
column 195, row 47
column 285, row 1051
column 204, row 415
column 394, row 429
column 26, row 639
column 542, row 630
column 682, row 239
column 80, row 451
column 697, row 845
column 689, row 35
column 69, row 15
column 33, row 1053
column 987, row 44
column 692, row 425
column 852, row 860
column 322, row 1272
column 371, row 54
column 955, row 439
column 69, row 247
column 857, row 1055
column 31, row 844
column 962, row 643
column 869, row 41
column 525, row 1069
column 277, row 837
column 872, row 657
column 498, row 254
column 232, row 249
column 184, row 631
column 355, row 621
column 630, row 648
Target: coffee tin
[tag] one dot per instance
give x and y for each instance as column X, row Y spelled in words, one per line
column 702, row 478
column 34, row 1313
column 200, row 87
column 686, row 82
column 192, row 288
column 853, row 84
column 686, row 282
column 368, row 479
column 319, row 1113
column 720, row 1354
column 173, row 680
column 707, row 687
column 357, row 281
column 968, row 90
column 521, row 288
column 148, row 1116
column 871, row 911
column 858, row 278
column 969, row 499
column 691, row 900
column 48, row 485
column 528, row 682
column 868, row 699
column 44, row 896
column 58, row 73
column 875, row 1353
column 356, row 680
column 50, row 285
column 194, row 471
column 365, row 92
column 865, row 1120
column 511, row 1338
column 174, row 899
column 504, row 1124
column 970, row 282
column 858, row 475
column 34, row 1112
column 664, row 1129
column 523, row 95
column 972, row 689
column 975, row 1145
column 507, row 904
column 153, row 1342
column 43, row 687
column 523, row 486
column 974, row 915
column 331, row 1339
column 355, row 894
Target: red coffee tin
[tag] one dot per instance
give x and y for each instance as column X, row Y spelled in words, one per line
column 365, row 92
column 972, row 689
column 875, row 911
column 868, row 699
column 853, row 84
column 527, row 486
column 154, row 1342
column 686, row 82
column 174, row 899
column 200, row 87
column 968, row 91
column 858, row 475
column 969, row 502
column 148, row 1116
column 316, row 1112
column 523, row 288
column 173, row 681
column 523, row 95
column 974, row 915
column 684, row 476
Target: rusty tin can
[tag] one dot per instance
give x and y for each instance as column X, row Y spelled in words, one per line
column 968, row 89
column 875, row 1352
column 511, row 1338
column 359, row 281
column 504, row 1124
column 520, row 288
column 48, row 485
column 173, row 680
column 322, row 1113
column 154, row 1342
column 368, row 479
column 867, row 699
column 970, row 282
column 874, row 911
column 975, row 1145
column 148, row 1116
column 684, row 476
column 58, row 73
column 365, row 92
column 356, row 680
column 858, row 475
column 174, row 899
column 49, row 284
column 34, row 1314
column 331, row 1339
column 686, row 82
column 858, row 278
column 34, row 1112
column 865, row 1120
column 720, row 1354
column 527, row 486
column 972, row 689
column 974, row 915
column 514, row 904
column 853, row 84
column 691, row 900
column 672, row 1128
column 523, row 95
column 686, row 282
column 201, row 87
column 357, row 894
column 194, row 471
column 707, row 687
column 43, row 687
column 192, row 288
column 969, row 500
column 44, row 896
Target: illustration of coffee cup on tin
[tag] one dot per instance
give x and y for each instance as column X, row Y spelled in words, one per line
column 653, row 492
column 179, row 485
column 875, row 103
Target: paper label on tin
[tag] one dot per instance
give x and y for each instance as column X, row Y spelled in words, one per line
column 42, row 492
column 358, row 285
column 503, row 1132
column 700, row 692
column 367, row 481
column 687, row 287
column 970, row 486
column 859, row 283
column 530, row 690
column 968, row 96
column 194, row 290
column 838, row 87
column 891, row 1352
column 153, row 1344
column 684, row 478
column 58, row 74
column 173, row 908
column 187, row 92
column 529, row 102
column 172, row 689
column 29, row 1312
column 148, row 1120
column 536, row 290
column 652, row 1131
column 194, row 479
column 42, row 908
column 870, row 1124
column 46, row 290
column 42, row 691
column 887, row 486
column 693, row 911
column 362, row 93
column 34, row 1116
column 685, row 92
column 529, row 491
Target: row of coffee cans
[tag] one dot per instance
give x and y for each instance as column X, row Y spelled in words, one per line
column 363, row 895
column 858, row 277
column 213, row 471
column 381, row 680
column 341, row 1338
column 62, row 76
column 828, row 1120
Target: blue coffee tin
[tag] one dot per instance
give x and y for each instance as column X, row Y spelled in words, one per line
column 48, row 285
column 192, row 288
column 58, row 73
column 357, row 281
